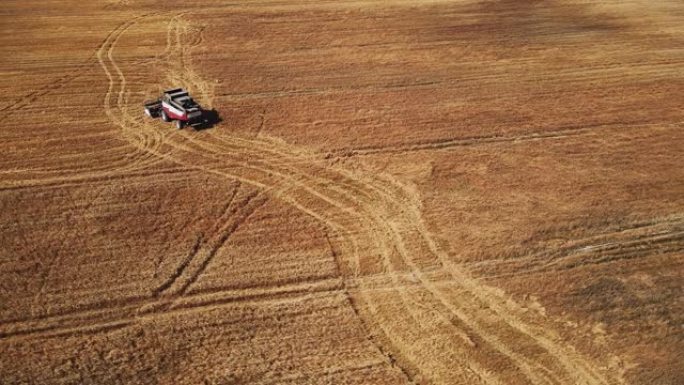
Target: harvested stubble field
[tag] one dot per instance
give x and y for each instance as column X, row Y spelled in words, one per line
column 398, row 192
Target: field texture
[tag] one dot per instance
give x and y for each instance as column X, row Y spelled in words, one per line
column 398, row 192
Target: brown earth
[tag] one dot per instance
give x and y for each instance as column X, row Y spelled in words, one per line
column 398, row 192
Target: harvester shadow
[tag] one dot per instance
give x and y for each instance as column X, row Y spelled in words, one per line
column 210, row 119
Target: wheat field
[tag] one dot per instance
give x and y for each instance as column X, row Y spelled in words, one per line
column 397, row 192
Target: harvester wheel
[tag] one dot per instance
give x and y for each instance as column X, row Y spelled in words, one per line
column 179, row 124
column 165, row 117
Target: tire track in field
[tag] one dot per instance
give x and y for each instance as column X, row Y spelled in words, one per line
column 370, row 228
column 657, row 237
column 196, row 246
column 119, row 310
column 146, row 142
column 117, row 112
column 446, row 144
column 213, row 171
column 178, row 284
column 487, row 304
column 145, row 149
column 76, row 180
column 102, row 318
column 204, row 250
column 365, row 212
column 145, row 136
column 379, row 241
column 568, row 362
column 193, row 77
column 473, row 320
column 528, row 368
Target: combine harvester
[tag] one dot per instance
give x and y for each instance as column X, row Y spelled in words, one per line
column 176, row 105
